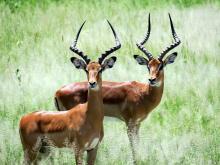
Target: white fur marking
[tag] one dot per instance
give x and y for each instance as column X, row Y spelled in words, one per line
column 139, row 119
column 93, row 144
column 96, row 88
column 86, row 145
column 156, row 84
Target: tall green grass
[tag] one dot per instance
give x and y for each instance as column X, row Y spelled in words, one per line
column 18, row 5
column 34, row 63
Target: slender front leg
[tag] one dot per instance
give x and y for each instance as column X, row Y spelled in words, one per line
column 132, row 131
column 136, row 133
column 78, row 157
column 30, row 157
column 91, row 156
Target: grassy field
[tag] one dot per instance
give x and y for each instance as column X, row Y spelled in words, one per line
column 34, row 62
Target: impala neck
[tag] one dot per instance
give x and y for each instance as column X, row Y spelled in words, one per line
column 95, row 101
column 154, row 93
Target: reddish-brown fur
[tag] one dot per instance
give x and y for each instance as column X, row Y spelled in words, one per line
column 127, row 101
column 126, row 97
column 76, row 128
column 81, row 128
column 130, row 102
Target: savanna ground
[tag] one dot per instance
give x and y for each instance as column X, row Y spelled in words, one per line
column 34, row 62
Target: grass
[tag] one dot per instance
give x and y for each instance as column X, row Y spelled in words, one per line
column 34, row 63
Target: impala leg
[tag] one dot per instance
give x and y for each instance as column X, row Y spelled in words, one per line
column 78, row 157
column 136, row 133
column 30, row 157
column 91, row 156
column 132, row 131
column 30, row 152
column 101, row 134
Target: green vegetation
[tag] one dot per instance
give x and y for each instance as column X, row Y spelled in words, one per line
column 34, row 63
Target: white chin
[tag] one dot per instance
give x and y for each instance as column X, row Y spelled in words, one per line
column 156, row 84
column 96, row 88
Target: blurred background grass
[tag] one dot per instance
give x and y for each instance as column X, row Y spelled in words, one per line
column 34, row 62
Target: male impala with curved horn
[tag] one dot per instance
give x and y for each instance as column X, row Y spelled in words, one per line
column 129, row 101
column 80, row 128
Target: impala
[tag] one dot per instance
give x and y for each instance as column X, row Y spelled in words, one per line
column 130, row 102
column 80, row 128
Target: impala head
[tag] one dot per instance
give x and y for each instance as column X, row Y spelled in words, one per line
column 155, row 65
column 94, row 69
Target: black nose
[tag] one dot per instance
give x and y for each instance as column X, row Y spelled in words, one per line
column 152, row 80
column 92, row 84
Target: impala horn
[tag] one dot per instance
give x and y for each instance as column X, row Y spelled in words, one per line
column 111, row 50
column 172, row 46
column 76, row 50
column 147, row 35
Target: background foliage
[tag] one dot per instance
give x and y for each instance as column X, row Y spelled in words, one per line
column 34, row 63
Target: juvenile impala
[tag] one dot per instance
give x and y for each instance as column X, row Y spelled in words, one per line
column 130, row 102
column 80, row 128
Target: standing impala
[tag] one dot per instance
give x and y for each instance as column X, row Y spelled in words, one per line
column 80, row 128
column 130, row 102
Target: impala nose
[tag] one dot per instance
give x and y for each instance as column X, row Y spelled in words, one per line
column 152, row 80
column 92, row 84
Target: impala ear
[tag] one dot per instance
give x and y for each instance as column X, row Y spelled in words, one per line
column 141, row 60
column 170, row 59
column 78, row 63
column 109, row 63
